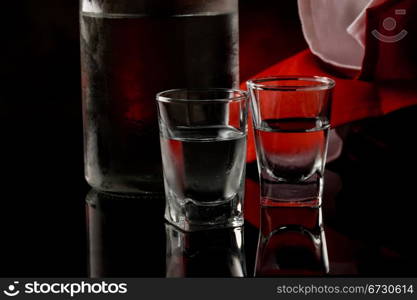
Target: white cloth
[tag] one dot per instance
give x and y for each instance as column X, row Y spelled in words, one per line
column 325, row 26
column 358, row 27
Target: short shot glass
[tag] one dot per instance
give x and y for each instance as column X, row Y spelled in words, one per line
column 203, row 146
column 291, row 117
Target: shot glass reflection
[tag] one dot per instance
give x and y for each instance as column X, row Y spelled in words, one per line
column 291, row 242
column 209, row 253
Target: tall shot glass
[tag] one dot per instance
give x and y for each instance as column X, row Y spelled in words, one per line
column 203, row 146
column 291, row 117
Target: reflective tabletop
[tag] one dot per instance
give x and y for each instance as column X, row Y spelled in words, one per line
column 54, row 225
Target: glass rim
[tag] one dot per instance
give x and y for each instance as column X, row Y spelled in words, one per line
column 321, row 83
column 163, row 96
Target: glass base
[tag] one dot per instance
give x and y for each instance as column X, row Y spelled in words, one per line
column 191, row 216
column 287, row 194
column 123, row 183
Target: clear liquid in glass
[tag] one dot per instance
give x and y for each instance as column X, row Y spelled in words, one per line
column 204, row 169
column 292, row 152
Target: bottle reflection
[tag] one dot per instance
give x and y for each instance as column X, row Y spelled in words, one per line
column 291, row 242
column 126, row 235
column 209, row 253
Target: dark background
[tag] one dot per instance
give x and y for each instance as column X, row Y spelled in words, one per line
column 42, row 208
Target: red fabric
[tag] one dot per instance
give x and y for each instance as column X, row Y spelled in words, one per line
column 352, row 100
column 251, row 203
column 387, row 82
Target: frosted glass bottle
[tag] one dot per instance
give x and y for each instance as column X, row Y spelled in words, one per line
column 132, row 49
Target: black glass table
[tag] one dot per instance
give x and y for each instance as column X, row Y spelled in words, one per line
column 54, row 225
